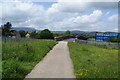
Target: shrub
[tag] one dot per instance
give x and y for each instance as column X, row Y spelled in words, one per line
column 46, row 34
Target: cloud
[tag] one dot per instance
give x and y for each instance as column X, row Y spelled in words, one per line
column 20, row 12
column 107, row 13
column 79, row 22
column 113, row 18
column 79, row 7
column 60, row 16
column 92, row 18
column 87, row 0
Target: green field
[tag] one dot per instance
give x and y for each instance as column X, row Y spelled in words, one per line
column 94, row 61
column 19, row 58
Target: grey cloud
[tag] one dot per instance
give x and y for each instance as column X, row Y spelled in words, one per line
column 61, row 16
column 79, row 7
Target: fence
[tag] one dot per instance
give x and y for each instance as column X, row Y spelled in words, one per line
column 10, row 39
column 98, row 43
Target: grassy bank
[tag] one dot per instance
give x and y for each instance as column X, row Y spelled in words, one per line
column 19, row 58
column 93, row 61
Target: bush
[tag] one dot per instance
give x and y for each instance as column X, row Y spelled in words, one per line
column 22, row 33
column 33, row 34
column 46, row 34
column 112, row 39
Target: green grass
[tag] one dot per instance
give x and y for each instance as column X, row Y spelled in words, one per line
column 19, row 58
column 93, row 61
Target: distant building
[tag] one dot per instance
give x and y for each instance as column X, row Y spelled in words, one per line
column 14, row 34
column 27, row 35
column 104, row 36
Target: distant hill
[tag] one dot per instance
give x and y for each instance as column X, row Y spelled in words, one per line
column 23, row 28
column 76, row 32
column 87, row 33
column 83, row 33
column 58, row 31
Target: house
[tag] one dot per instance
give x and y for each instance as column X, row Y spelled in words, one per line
column 27, row 35
column 14, row 34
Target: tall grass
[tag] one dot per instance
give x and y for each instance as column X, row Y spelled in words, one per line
column 93, row 61
column 19, row 58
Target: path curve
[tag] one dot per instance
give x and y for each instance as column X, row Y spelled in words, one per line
column 56, row 64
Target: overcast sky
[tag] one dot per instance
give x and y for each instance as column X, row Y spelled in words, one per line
column 57, row 15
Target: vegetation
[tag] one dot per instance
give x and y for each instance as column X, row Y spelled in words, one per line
column 84, row 33
column 61, row 33
column 22, row 33
column 6, row 29
column 67, row 32
column 112, row 39
column 46, row 34
column 19, row 58
column 56, row 34
column 33, row 34
column 93, row 61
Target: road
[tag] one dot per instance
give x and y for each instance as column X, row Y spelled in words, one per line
column 56, row 64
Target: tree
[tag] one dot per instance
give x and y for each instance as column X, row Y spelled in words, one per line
column 112, row 39
column 46, row 34
column 22, row 33
column 6, row 29
column 56, row 34
column 67, row 32
column 33, row 34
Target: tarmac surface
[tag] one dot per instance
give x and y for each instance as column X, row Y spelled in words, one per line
column 56, row 64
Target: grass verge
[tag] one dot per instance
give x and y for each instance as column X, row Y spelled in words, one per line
column 93, row 61
column 19, row 58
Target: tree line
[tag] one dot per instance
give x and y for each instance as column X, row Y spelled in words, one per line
column 44, row 34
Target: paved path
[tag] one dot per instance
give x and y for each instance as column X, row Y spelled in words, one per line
column 56, row 64
column 70, row 40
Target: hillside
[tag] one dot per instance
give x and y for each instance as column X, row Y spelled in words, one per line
column 23, row 28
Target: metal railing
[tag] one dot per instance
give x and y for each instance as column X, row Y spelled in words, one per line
column 98, row 43
column 10, row 39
